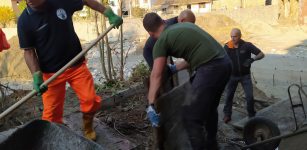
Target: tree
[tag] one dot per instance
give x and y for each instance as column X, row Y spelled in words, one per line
column 121, row 43
column 6, row 15
column 21, row 6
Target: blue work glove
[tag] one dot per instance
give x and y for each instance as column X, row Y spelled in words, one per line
column 153, row 117
column 173, row 68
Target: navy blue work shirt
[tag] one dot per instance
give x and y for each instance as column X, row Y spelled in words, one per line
column 51, row 33
column 239, row 55
column 150, row 43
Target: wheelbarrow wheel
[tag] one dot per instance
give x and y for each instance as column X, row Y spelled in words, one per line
column 259, row 129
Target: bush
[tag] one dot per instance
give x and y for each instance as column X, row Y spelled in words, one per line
column 138, row 12
column 140, row 72
column 21, row 6
column 6, row 15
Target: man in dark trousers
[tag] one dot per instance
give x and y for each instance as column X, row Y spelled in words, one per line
column 240, row 53
column 47, row 35
column 213, row 68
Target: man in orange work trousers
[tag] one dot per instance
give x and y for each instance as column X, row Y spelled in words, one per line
column 47, row 35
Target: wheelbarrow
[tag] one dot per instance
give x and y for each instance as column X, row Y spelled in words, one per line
column 262, row 134
column 40, row 134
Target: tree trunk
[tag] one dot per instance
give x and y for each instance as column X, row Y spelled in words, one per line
column 109, row 54
column 121, row 43
column 101, row 49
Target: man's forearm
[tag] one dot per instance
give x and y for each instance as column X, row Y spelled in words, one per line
column 155, row 78
column 259, row 56
column 155, row 82
column 95, row 5
column 31, row 60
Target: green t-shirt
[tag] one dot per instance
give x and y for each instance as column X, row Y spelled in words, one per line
column 190, row 42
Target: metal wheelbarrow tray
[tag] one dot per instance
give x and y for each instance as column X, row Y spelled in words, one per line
column 44, row 135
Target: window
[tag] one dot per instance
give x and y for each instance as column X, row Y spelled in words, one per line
column 268, row 2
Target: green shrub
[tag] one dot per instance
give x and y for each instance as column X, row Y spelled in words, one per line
column 138, row 12
column 140, row 72
column 6, row 15
column 21, row 6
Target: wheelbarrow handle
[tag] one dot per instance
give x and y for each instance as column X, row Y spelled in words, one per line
column 58, row 73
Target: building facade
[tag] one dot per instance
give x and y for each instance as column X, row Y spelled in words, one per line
column 175, row 6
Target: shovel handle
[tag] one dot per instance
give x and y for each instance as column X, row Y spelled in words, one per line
column 58, row 73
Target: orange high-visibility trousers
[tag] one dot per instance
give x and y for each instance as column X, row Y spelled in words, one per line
column 81, row 81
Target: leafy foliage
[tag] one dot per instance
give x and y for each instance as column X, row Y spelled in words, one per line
column 6, row 15
column 21, row 6
column 138, row 12
column 140, row 72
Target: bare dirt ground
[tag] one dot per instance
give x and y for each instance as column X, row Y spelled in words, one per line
column 129, row 119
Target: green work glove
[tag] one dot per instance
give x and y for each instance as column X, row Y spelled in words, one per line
column 113, row 18
column 37, row 82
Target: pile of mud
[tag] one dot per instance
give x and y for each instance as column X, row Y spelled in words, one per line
column 12, row 64
column 219, row 26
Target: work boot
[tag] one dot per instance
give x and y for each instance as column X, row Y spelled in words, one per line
column 88, row 130
column 227, row 119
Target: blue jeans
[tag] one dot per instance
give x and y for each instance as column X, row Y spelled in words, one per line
column 208, row 85
column 247, row 85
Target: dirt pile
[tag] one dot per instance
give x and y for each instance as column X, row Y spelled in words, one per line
column 219, row 26
column 12, row 64
column 129, row 119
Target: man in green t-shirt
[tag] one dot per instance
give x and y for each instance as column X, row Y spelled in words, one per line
column 207, row 58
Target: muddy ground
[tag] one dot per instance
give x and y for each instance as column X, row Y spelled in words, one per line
column 127, row 118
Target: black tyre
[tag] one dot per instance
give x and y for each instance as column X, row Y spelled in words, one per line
column 259, row 129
